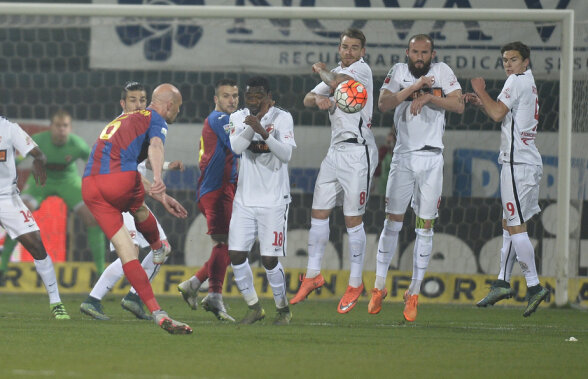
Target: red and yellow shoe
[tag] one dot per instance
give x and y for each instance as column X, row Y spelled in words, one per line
column 410, row 306
column 349, row 299
column 306, row 287
column 375, row 305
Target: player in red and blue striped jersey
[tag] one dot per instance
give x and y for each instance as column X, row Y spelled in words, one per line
column 112, row 185
column 215, row 193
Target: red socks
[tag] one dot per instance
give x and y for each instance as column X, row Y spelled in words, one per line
column 215, row 268
column 148, row 229
column 138, row 278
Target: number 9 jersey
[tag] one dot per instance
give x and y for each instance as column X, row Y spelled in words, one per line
column 124, row 142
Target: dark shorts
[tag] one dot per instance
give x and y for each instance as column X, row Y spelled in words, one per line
column 217, row 207
column 108, row 195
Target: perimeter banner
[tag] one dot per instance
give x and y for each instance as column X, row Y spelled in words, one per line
column 471, row 48
column 78, row 278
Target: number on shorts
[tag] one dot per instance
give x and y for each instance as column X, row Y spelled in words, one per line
column 362, row 198
column 110, row 129
column 511, row 208
column 28, row 215
column 278, row 239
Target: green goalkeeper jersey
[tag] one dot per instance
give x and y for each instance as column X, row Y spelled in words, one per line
column 61, row 159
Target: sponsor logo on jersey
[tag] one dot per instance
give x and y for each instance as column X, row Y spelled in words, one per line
column 164, row 131
column 2, row 155
column 227, row 128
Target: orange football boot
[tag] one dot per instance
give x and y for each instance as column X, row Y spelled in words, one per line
column 349, row 299
column 375, row 305
column 307, row 286
column 410, row 306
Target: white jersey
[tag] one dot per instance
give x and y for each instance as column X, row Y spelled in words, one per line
column 351, row 125
column 263, row 178
column 426, row 128
column 12, row 138
column 519, row 126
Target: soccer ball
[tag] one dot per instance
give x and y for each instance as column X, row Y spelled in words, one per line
column 351, row 96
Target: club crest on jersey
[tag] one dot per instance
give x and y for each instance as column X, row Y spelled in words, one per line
column 2, row 155
column 227, row 128
column 269, row 128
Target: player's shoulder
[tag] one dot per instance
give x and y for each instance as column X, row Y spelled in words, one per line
column 239, row 114
column 441, row 66
column 218, row 118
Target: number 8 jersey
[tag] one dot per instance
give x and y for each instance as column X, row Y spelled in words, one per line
column 519, row 126
column 124, row 142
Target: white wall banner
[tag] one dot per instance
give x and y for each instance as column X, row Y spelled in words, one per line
column 291, row 46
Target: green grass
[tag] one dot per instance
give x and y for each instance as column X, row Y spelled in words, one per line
column 446, row 341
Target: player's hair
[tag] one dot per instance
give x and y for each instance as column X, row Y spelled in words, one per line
column 131, row 86
column 60, row 113
column 421, row 37
column 353, row 33
column 224, row 82
column 259, row 81
column 517, row 46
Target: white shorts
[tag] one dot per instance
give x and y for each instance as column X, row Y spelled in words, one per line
column 345, row 177
column 137, row 237
column 267, row 223
column 519, row 192
column 15, row 217
column 417, row 175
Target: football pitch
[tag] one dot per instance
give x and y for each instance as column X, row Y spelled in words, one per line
column 446, row 341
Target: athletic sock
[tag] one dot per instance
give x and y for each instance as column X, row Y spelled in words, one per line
column 386, row 249
column 244, row 280
column 9, row 245
column 526, row 256
column 204, row 272
column 507, row 257
column 357, row 241
column 423, row 247
column 97, row 247
column 149, row 230
column 318, row 236
column 151, row 269
column 46, row 271
column 217, row 267
column 138, row 279
column 277, row 281
column 107, row 280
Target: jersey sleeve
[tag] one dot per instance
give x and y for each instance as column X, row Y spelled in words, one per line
column 359, row 71
column 20, row 139
column 449, row 82
column 509, row 92
column 322, row 89
column 221, row 127
column 285, row 129
column 391, row 82
column 157, row 127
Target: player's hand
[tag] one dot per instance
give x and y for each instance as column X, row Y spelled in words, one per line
column 417, row 104
column 39, row 172
column 157, row 187
column 176, row 165
column 425, row 81
column 478, row 84
column 323, row 102
column 253, row 121
column 173, row 206
column 473, row 99
column 318, row 66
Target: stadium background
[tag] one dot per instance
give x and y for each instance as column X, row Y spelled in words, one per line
column 44, row 69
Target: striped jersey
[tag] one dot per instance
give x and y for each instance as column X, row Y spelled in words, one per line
column 218, row 164
column 519, row 126
column 123, row 143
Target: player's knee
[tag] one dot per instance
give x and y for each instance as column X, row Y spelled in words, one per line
column 34, row 244
column 237, row 257
column 422, row 223
column 269, row 262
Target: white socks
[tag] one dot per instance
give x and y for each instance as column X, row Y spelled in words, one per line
column 423, row 247
column 114, row 272
column 318, row 236
column 46, row 271
column 386, row 249
column 507, row 257
column 244, row 280
column 277, row 281
column 357, row 241
column 526, row 256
